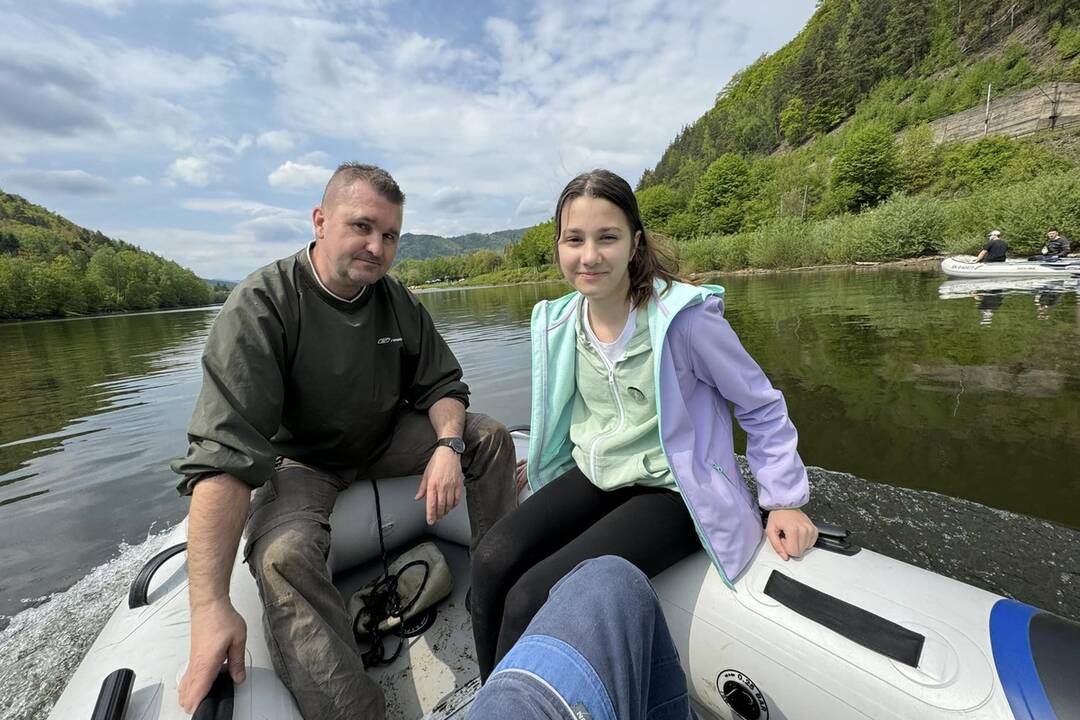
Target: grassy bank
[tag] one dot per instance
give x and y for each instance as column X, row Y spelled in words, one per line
column 509, row 276
column 902, row 227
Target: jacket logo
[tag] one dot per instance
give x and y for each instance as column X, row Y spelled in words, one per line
column 385, row 340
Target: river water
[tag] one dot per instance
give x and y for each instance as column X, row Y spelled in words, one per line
column 943, row 422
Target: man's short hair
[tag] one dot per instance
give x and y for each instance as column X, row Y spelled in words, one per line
column 350, row 173
column 1053, row 229
column 994, row 232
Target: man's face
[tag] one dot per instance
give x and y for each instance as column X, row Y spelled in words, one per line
column 1052, row 235
column 356, row 237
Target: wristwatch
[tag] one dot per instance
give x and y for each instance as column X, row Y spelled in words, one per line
column 454, row 443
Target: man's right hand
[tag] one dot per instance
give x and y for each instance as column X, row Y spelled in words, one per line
column 218, row 634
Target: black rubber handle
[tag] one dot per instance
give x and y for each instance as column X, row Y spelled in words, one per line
column 218, row 703
column 139, row 588
column 114, row 695
column 832, row 538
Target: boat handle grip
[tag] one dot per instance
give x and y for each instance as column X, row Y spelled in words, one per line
column 141, row 585
column 218, row 703
column 114, row 695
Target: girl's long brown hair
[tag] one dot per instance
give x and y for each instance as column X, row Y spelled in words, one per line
column 652, row 259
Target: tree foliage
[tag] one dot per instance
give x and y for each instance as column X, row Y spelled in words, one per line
column 52, row 267
column 865, row 171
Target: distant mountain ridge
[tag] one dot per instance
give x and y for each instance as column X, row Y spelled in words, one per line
column 421, row 247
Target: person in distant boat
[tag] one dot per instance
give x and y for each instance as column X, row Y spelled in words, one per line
column 631, row 450
column 1056, row 244
column 563, row 667
column 995, row 249
column 320, row 370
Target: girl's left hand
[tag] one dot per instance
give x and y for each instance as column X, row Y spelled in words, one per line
column 791, row 532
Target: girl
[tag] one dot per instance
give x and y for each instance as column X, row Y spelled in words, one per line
column 631, row 450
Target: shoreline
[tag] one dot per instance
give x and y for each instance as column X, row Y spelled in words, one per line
column 920, row 263
column 104, row 314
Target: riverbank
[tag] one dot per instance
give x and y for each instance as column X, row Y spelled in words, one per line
column 105, row 314
column 929, row 262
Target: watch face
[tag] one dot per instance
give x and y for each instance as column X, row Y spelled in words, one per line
column 455, row 444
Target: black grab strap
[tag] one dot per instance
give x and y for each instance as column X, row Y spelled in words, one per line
column 865, row 628
column 140, row 587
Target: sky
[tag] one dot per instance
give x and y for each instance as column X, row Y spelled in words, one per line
column 205, row 130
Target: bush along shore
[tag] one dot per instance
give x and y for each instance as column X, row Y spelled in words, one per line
column 903, row 227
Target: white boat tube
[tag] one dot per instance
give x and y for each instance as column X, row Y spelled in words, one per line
column 842, row 634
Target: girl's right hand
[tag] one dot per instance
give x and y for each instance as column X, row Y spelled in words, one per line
column 519, row 476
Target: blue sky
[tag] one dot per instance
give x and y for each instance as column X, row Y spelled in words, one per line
column 204, row 131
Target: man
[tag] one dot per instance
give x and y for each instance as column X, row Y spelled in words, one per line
column 994, row 250
column 1056, row 244
column 320, row 370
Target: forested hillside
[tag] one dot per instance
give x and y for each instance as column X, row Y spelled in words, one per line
column 51, row 267
column 835, row 123
column 421, row 247
column 823, row 151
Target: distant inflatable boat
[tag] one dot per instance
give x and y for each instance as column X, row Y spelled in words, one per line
column 843, row 633
column 964, row 266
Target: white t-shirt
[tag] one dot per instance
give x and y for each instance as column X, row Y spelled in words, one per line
column 614, row 350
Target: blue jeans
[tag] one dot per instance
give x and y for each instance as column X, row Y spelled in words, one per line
column 599, row 649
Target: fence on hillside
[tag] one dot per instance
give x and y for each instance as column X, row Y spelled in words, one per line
column 1048, row 106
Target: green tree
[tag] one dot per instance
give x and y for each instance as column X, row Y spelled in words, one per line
column 907, row 35
column 536, row 247
column 683, row 225
column 140, row 281
column 865, row 169
column 724, row 183
column 106, row 269
column 719, row 199
column 657, row 204
column 793, row 121
column 57, row 288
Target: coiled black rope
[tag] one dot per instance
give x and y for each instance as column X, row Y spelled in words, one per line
column 385, row 602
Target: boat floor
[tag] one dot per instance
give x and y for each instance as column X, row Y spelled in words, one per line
column 435, row 677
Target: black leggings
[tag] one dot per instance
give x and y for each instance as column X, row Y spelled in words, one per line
column 568, row 521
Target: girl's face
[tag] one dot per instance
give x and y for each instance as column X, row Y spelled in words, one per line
column 595, row 247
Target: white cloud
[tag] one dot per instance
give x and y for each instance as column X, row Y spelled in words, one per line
column 232, row 147
column 279, row 141
column 64, row 182
column 195, row 171
column 530, row 206
column 315, row 157
column 299, row 176
column 482, row 120
column 108, row 7
column 452, row 199
column 233, row 206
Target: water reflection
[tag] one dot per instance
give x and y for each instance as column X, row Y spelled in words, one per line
column 989, row 293
column 90, row 411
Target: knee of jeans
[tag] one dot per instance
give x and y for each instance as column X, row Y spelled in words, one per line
column 607, row 579
column 291, row 545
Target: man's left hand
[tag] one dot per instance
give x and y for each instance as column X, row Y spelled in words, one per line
column 790, row 532
column 442, row 484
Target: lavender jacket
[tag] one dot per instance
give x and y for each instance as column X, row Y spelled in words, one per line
column 701, row 368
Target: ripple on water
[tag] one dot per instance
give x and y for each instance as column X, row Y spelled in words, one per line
column 41, row 646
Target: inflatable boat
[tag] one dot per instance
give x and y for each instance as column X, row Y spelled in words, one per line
column 841, row 634
column 964, row 266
